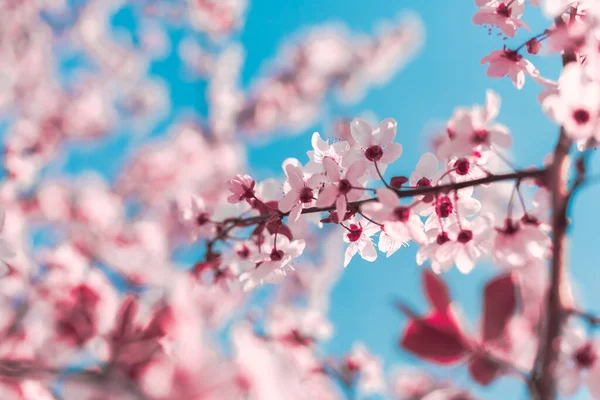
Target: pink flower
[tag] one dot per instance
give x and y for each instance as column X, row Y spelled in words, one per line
column 399, row 221
column 322, row 150
column 272, row 266
column 359, row 238
column 341, row 190
column 578, row 363
column 468, row 241
column 389, row 245
column 503, row 14
column 369, row 369
column 518, row 242
column 474, row 130
column 509, row 62
column 376, row 145
column 436, row 238
column 302, row 190
column 577, row 104
column 425, row 175
column 241, row 187
column 445, row 207
column 197, row 219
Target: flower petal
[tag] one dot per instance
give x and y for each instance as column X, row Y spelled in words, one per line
column 361, row 131
column 385, row 132
column 391, row 153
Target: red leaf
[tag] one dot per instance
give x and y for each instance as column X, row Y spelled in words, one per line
column 281, row 229
column 483, row 370
column 398, row 181
column 499, row 304
column 123, row 324
column 436, row 291
column 435, row 338
column 160, row 323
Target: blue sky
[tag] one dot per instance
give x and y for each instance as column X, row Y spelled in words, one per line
column 447, row 73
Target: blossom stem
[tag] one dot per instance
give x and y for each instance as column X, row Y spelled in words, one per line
column 540, row 37
column 380, row 175
column 521, row 200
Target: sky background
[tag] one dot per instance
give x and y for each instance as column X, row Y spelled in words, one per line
column 447, row 73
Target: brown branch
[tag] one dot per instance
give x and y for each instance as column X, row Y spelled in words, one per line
column 589, row 318
column 513, row 176
column 543, row 383
column 226, row 226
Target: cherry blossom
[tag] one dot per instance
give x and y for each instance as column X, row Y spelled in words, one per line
column 242, row 188
column 197, row 220
column 342, row 189
column 369, row 369
column 467, row 242
column 359, row 237
column 389, row 245
column 303, row 191
column 272, row 266
column 516, row 242
column 398, row 221
column 509, row 62
column 577, row 363
column 375, row 145
column 505, row 14
column 474, row 130
column 436, row 238
column 577, row 103
column 322, row 150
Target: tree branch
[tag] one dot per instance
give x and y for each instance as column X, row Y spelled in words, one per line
column 513, row 176
column 543, row 384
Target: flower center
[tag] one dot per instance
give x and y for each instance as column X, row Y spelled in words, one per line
column 465, row 236
column 276, row 255
column 202, row 219
column 442, row 238
column 306, row 195
column 355, row 232
column 512, row 55
column 480, row 136
column 530, row 220
column 244, row 252
column 503, row 10
column 345, row 186
column 374, row 153
column 585, row 356
column 424, row 182
column 462, row 166
column 401, row 214
column 444, row 207
column 581, row 116
column 510, row 227
column 248, row 192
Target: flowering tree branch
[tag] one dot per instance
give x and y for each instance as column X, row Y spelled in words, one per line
column 109, row 287
column 544, row 382
column 226, row 226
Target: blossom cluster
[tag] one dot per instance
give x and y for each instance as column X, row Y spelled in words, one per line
column 441, row 214
column 96, row 300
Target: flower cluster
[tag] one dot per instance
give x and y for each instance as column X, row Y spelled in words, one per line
column 104, row 304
